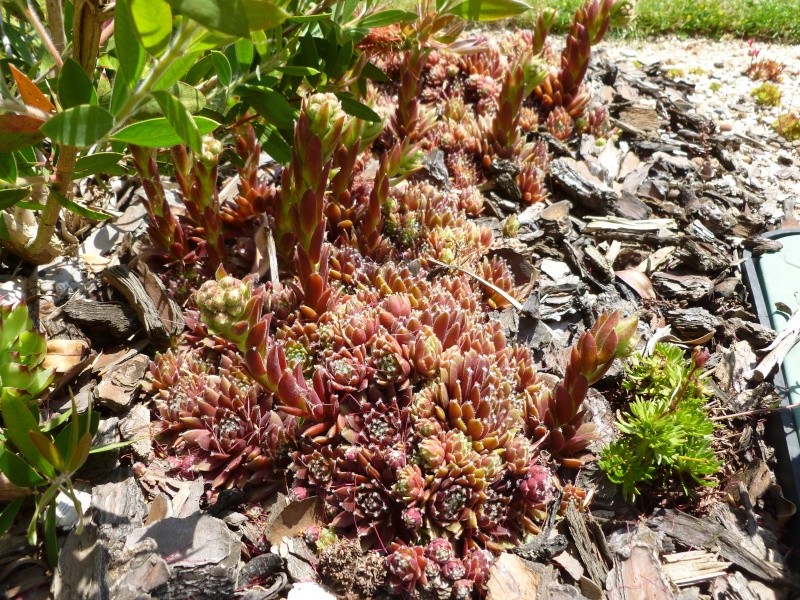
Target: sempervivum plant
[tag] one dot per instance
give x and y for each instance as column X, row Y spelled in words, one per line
column 22, row 352
column 217, row 422
column 374, row 374
column 420, row 421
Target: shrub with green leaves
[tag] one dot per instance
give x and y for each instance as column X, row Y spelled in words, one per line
column 22, row 352
column 665, row 433
column 156, row 73
column 37, row 462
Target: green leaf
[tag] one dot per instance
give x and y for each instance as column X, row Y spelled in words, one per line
column 48, row 450
column 309, row 18
column 115, row 446
column 44, row 501
column 179, row 119
column 189, row 96
column 370, row 71
column 9, row 514
column 18, row 132
column 79, row 209
column 120, row 92
column 176, row 70
column 157, row 133
column 34, row 206
column 50, row 535
column 262, row 14
column 277, row 147
column 342, row 62
column 130, row 53
column 222, row 66
column 353, row 107
column 245, row 51
column 10, row 197
column 269, row 104
column 8, row 168
column 152, row 21
column 79, row 126
column 82, row 450
column 74, row 86
column 101, row 162
column 488, row 10
column 387, row 17
column 18, row 471
column 225, row 16
column 19, row 421
column 299, row 71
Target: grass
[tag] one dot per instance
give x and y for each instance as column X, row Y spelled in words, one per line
column 773, row 20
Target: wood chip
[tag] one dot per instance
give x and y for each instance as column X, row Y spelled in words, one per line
column 587, row 549
column 779, row 348
column 129, row 285
column 586, row 190
column 637, row 574
column 513, row 577
column 597, row 224
column 694, row 566
column 703, row 533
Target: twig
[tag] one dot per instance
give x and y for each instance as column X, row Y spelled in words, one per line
column 779, row 347
column 30, row 12
column 756, row 411
column 513, row 301
column 55, row 21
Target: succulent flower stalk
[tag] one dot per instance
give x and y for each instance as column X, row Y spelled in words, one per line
column 164, row 229
column 197, row 178
column 558, row 414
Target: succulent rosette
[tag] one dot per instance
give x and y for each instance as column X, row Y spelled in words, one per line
column 217, row 422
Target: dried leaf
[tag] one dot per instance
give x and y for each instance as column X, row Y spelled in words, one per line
column 29, row 92
column 638, row 282
column 289, row 519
